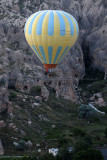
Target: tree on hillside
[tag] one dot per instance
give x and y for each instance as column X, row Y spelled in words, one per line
column 86, row 112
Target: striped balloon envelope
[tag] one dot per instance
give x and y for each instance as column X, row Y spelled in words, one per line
column 51, row 34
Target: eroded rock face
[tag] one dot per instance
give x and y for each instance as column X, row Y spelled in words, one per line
column 21, row 66
column 45, row 93
column 95, row 34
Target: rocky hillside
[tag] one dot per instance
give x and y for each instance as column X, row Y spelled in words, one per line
column 21, row 71
column 19, row 66
column 33, row 124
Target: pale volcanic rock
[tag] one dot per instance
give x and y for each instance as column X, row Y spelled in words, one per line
column 44, row 93
column 100, row 102
column 2, row 123
column 29, row 144
column 38, row 98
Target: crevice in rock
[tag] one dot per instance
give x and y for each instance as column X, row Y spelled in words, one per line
column 90, row 71
column 87, row 59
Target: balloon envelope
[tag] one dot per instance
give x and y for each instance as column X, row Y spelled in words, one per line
column 51, row 34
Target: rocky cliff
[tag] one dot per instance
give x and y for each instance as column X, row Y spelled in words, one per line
column 20, row 68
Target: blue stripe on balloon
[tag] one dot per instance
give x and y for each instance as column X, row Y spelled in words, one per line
column 70, row 23
column 31, row 23
column 63, row 53
column 51, row 24
column 37, row 52
column 62, row 24
column 57, row 54
column 75, row 23
column 50, row 50
column 39, row 24
column 43, row 54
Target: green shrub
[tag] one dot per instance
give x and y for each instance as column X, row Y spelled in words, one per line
column 94, row 118
column 86, row 112
column 63, row 154
column 53, row 133
column 47, row 157
column 103, row 109
column 81, row 145
column 78, row 131
column 97, row 86
column 97, row 137
column 36, row 90
column 63, row 141
column 89, row 154
column 21, row 145
column 88, row 139
column 12, row 95
column 26, row 139
column 29, row 158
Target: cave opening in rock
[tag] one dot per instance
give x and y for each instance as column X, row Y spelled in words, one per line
column 54, row 91
column 90, row 71
column 59, row 84
column 4, row 113
column 25, row 87
column 50, row 82
column 11, row 87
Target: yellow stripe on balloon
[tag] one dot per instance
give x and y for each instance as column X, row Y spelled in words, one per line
column 54, row 53
column 33, row 35
column 35, row 39
column 45, row 41
column 64, row 54
column 62, row 50
column 36, row 54
column 75, row 30
column 39, row 53
column 27, row 34
column 67, row 37
column 56, row 41
column 56, row 24
column 67, row 25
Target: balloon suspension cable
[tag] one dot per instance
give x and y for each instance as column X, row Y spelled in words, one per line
column 47, row 70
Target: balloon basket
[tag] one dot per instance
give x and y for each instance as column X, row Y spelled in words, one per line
column 50, row 73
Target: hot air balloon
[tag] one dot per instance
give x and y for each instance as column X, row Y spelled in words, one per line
column 51, row 34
